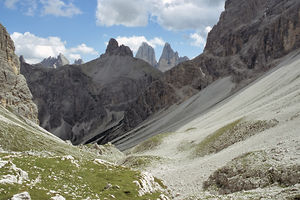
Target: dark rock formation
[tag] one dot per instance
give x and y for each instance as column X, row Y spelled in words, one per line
column 247, row 40
column 78, row 61
column 51, row 62
column 14, row 92
column 85, row 101
column 146, row 53
column 113, row 48
column 169, row 58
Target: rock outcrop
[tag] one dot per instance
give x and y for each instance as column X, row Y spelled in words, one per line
column 52, row 62
column 146, row 53
column 245, row 43
column 85, row 101
column 78, row 61
column 169, row 58
column 14, row 92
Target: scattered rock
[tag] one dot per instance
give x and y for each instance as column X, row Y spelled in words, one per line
column 21, row 196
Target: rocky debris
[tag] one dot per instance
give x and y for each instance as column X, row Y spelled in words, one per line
column 21, row 196
column 78, row 61
column 148, row 185
column 58, row 197
column 108, row 87
column 113, row 48
column 146, row 53
column 258, row 169
column 14, row 92
column 53, row 62
column 18, row 176
column 169, row 58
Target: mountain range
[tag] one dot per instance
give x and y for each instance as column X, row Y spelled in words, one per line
column 168, row 58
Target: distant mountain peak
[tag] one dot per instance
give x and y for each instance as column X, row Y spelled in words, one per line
column 78, row 61
column 53, row 62
column 146, row 53
column 169, row 58
column 113, row 48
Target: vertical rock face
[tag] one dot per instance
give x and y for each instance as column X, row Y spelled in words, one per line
column 169, row 58
column 248, row 38
column 52, row 62
column 14, row 92
column 146, row 53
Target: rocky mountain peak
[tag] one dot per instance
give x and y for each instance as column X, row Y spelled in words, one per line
column 146, row 53
column 113, row 48
column 169, row 58
column 78, row 61
column 53, row 62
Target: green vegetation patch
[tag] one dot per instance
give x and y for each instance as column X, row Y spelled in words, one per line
column 230, row 134
column 140, row 162
column 49, row 176
column 150, row 143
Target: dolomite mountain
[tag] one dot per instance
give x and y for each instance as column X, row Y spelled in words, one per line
column 248, row 40
column 53, row 62
column 85, row 101
column 169, row 58
column 146, row 53
column 78, row 61
column 14, row 92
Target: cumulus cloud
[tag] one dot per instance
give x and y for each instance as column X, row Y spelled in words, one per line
column 11, row 3
column 134, row 42
column 59, row 8
column 120, row 12
column 199, row 38
column 34, row 48
column 171, row 14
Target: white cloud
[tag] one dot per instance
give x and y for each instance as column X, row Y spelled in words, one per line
column 171, row 14
column 83, row 49
column 35, row 49
column 59, row 8
column 11, row 3
column 135, row 42
column 120, row 12
column 199, row 38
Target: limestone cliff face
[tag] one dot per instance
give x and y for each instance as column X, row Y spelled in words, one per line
column 82, row 102
column 248, row 38
column 146, row 53
column 14, row 92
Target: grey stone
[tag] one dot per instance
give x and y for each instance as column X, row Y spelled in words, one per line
column 14, row 92
column 146, row 53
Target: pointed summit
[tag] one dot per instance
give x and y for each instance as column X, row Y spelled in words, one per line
column 169, row 58
column 146, row 53
column 113, row 48
column 78, row 61
column 53, row 62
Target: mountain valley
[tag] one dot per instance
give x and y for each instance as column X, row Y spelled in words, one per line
column 223, row 125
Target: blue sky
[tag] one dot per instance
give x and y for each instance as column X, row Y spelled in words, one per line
column 81, row 28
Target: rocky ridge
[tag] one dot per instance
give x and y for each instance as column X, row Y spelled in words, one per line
column 52, row 62
column 146, row 53
column 14, row 92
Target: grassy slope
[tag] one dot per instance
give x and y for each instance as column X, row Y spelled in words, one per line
column 42, row 157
